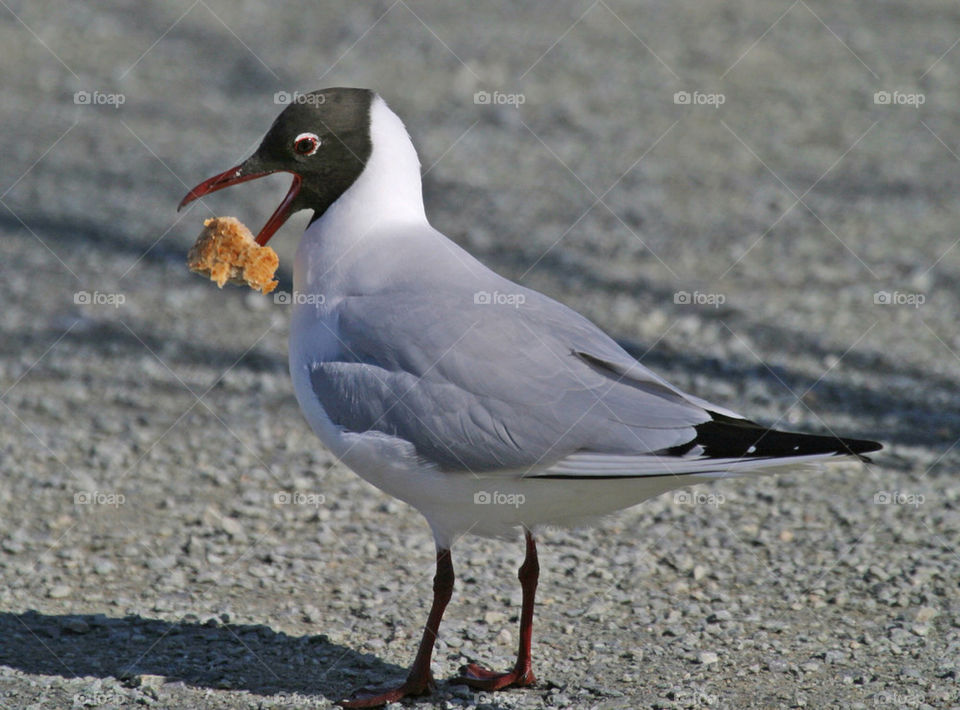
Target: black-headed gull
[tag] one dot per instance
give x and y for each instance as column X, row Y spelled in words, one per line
column 485, row 405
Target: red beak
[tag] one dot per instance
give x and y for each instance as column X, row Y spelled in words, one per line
column 233, row 176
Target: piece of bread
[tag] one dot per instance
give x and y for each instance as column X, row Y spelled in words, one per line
column 225, row 251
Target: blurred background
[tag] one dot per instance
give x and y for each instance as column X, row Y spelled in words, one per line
column 758, row 199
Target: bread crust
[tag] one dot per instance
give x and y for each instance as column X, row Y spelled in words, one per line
column 226, row 252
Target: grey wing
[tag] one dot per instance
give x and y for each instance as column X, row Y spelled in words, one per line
column 490, row 387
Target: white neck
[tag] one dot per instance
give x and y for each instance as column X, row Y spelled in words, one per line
column 382, row 206
column 388, row 190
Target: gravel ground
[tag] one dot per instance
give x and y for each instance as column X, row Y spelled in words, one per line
column 147, row 431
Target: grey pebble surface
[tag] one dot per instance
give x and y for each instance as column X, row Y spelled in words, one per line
column 148, row 448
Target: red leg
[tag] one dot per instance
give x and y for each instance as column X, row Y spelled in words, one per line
column 522, row 674
column 419, row 679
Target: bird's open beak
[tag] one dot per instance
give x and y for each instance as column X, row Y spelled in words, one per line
column 234, row 176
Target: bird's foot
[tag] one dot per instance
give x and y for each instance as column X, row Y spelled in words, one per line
column 368, row 698
column 481, row 678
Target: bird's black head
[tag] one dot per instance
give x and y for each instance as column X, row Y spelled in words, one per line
column 322, row 138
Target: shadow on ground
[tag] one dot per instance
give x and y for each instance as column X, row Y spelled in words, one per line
column 210, row 655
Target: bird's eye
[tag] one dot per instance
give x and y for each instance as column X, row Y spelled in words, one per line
column 306, row 143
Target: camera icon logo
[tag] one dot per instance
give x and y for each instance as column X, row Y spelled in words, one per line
column 681, row 97
column 282, row 498
column 481, row 97
column 682, row 298
column 881, row 98
column 81, row 98
column 282, row 98
column 481, row 498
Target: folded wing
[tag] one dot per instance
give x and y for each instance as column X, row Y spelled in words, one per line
column 529, row 390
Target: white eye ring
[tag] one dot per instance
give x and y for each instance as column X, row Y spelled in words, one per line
column 312, row 137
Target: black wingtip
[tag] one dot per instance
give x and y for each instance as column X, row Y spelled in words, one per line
column 726, row 437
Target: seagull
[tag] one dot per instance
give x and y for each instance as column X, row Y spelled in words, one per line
column 487, row 406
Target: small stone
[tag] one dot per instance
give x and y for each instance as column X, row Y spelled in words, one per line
column 699, row 572
column 160, row 564
column 148, row 680
column 597, row 610
column 76, row 626
column 211, row 516
column 777, row 666
column 462, row 691
column 215, row 519
column 834, row 657
column 925, row 614
column 910, row 672
column 681, row 563
column 494, row 618
column 719, row 616
column 59, row 591
column 12, row 546
column 104, row 568
column 707, row 658
column 232, row 527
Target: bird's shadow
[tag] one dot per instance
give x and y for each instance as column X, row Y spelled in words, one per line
column 207, row 654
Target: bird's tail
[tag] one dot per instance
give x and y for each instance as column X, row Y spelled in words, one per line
column 727, row 438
